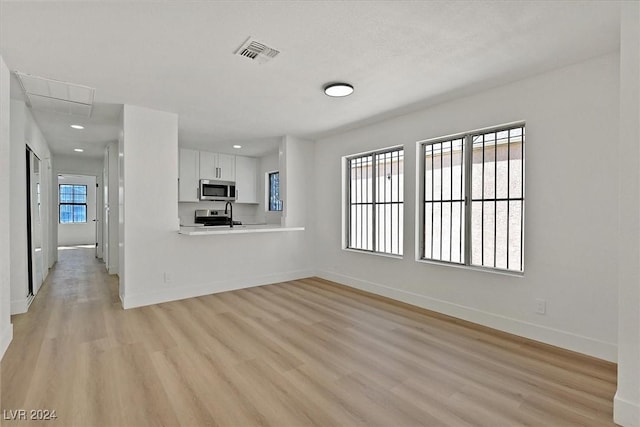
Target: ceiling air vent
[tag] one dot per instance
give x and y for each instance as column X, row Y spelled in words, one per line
column 256, row 51
column 56, row 96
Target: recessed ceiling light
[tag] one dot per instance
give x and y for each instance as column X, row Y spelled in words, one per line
column 237, row 146
column 338, row 89
column 79, row 150
column 77, row 126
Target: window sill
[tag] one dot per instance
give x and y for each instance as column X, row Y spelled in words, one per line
column 473, row 268
column 358, row 251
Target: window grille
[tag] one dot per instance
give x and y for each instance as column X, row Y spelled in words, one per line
column 275, row 204
column 444, row 197
column 73, row 204
column 484, row 168
column 376, row 201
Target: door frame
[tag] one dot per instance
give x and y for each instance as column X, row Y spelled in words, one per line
column 99, row 239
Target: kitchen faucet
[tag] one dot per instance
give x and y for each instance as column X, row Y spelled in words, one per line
column 229, row 206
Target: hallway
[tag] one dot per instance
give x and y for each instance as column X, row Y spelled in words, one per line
column 53, row 361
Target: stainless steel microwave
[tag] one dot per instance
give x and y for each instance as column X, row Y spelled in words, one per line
column 217, row 190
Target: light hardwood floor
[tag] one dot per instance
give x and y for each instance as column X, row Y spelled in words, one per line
column 305, row 352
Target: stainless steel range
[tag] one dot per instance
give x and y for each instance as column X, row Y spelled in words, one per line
column 213, row 218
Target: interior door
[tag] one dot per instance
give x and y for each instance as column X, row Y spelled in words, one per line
column 34, row 223
column 96, row 222
column 105, row 215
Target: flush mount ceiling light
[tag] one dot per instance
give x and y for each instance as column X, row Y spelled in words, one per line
column 77, row 126
column 237, row 146
column 79, row 150
column 338, row 89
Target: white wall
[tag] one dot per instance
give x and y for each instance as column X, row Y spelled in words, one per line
column 627, row 400
column 79, row 233
column 572, row 160
column 149, row 138
column 77, row 165
column 121, row 207
column 36, row 141
column 195, row 265
column 6, row 328
column 24, row 130
column 112, row 206
column 38, row 144
column 297, row 169
column 17, row 202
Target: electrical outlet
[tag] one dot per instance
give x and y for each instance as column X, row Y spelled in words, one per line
column 167, row 277
column 541, row 306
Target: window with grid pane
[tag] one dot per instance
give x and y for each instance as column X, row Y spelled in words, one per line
column 73, row 204
column 275, row 204
column 375, row 198
column 473, row 199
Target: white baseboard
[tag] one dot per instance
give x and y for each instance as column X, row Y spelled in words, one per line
column 558, row 338
column 5, row 339
column 22, row 305
column 182, row 292
column 626, row 413
column 19, row 306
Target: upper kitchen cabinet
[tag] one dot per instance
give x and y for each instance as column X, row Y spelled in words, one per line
column 188, row 175
column 217, row 166
column 246, row 179
column 227, row 167
column 208, row 165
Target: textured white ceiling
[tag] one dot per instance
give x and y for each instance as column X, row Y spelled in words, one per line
column 178, row 56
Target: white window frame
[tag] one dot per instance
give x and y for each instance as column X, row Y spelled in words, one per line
column 346, row 204
column 468, row 161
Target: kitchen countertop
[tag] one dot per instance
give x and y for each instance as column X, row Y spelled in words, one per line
column 237, row 229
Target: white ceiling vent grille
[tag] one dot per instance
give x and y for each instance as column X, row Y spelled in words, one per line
column 56, row 96
column 256, row 51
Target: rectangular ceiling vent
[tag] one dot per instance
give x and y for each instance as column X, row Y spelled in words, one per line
column 56, row 96
column 256, row 51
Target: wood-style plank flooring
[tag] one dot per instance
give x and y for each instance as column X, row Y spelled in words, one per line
column 299, row 353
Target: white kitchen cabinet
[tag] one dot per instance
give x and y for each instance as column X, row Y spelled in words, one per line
column 208, row 165
column 247, row 179
column 188, row 175
column 227, row 167
column 217, row 166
